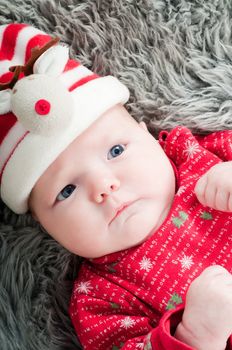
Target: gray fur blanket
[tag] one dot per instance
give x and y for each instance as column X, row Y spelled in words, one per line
column 176, row 58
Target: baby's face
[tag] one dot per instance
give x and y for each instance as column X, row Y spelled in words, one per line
column 108, row 191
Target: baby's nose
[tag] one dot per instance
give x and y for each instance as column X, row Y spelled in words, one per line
column 104, row 187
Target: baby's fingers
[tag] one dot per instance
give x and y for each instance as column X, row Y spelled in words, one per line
column 200, row 188
column 212, row 195
column 204, row 193
column 222, row 200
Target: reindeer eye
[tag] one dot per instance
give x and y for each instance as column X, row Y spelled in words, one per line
column 42, row 107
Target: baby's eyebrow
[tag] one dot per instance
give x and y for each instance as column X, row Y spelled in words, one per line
column 52, row 184
column 55, row 170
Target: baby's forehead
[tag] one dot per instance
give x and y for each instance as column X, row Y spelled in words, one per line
column 110, row 124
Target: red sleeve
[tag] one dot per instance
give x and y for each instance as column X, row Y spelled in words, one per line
column 163, row 334
column 104, row 331
column 229, row 344
column 118, row 320
column 218, row 143
column 166, row 329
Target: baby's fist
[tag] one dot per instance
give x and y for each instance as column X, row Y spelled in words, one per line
column 214, row 188
column 207, row 318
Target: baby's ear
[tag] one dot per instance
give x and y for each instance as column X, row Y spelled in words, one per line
column 143, row 126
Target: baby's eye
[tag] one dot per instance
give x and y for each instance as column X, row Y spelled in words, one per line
column 115, row 151
column 66, row 192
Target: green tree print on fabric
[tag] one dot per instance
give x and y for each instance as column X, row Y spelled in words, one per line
column 178, row 221
column 115, row 347
column 111, row 267
column 206, row 216
column 174, row 301
column 114, row 306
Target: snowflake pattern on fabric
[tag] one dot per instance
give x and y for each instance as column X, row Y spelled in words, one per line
column 84, row 287
column 127, row 322
column 186, row 262
column 145, row 264
column 191, row 148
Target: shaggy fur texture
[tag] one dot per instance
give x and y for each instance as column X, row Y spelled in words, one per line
column 176, row 58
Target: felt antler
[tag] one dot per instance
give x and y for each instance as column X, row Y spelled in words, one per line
column 36, row 52
column 27, row 69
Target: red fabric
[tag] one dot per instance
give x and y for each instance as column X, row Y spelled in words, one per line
column 134, row 299
column 9, row 40
column 83, row 81
column 71, row 64
column 6, row 77
column 7, row 121
column 218, row 144
column 167, row 326
column 38, row 40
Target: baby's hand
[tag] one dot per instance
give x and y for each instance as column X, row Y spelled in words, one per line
column 207, row 318
column 214, row 188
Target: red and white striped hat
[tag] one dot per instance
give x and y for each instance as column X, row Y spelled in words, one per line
column 46, row 101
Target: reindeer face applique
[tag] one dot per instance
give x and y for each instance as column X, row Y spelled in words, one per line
column 40, row 100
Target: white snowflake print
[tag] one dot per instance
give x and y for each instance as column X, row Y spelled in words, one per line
column 191, row 148
column 83, row 287
column 127, row 322
column 145, row 264
column 139, row 346
column 186, row 262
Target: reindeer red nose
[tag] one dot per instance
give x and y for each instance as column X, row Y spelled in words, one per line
column 42, row 107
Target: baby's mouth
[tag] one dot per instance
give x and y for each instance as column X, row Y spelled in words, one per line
column 119, row 210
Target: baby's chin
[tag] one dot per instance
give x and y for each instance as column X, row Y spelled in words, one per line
column 146, row 236
column 154, row 226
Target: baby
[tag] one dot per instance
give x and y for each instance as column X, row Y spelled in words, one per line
column 152, row 218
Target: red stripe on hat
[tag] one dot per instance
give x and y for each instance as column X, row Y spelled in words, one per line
column 83, row 81
column 5, row 78
column 38, row 40
column 6, row 122
column 9, row 39
column 71, row 64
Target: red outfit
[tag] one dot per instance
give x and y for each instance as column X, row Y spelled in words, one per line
column 133, row 299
